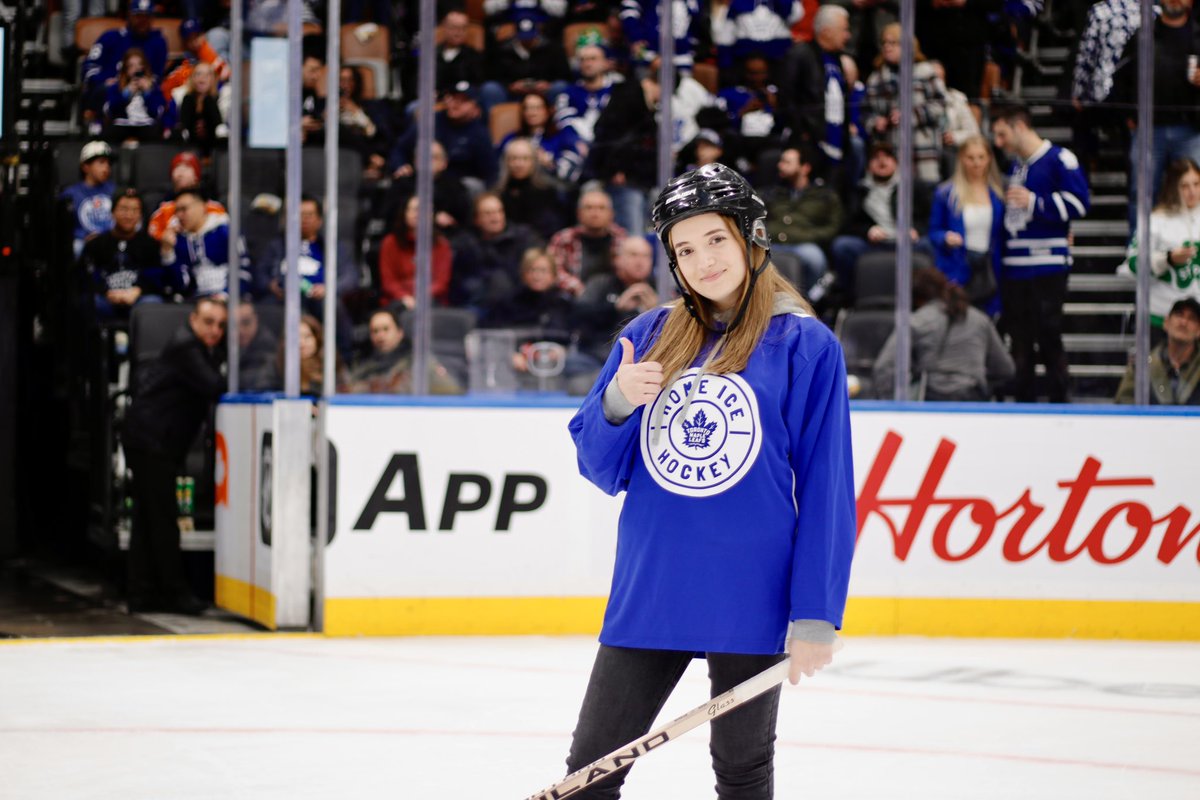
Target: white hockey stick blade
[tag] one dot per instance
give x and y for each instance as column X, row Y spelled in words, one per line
column 624, row 757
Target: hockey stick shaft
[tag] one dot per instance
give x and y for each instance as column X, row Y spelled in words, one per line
column 623, row 757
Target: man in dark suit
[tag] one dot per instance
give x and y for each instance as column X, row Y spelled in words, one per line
column 174, row 396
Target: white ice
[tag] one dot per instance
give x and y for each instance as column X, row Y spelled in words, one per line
column 491, row 718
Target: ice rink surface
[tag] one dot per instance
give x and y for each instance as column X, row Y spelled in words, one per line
column 491, row 719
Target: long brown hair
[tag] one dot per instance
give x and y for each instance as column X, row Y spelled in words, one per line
column 682, row 339
column 312, row 370
column 1168, row 196
column 929, row 284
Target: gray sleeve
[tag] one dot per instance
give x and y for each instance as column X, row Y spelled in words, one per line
column 617, row 408
column 817, row 631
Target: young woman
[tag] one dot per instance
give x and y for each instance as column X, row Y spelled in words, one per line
column 528, row 194
column 560, row 152
column 134, row 107
column 398, row 262
column 724, row 417
column 929, row 104
column 1174, row 242
column 199, row 113
column 955, row 347
column 966, row 224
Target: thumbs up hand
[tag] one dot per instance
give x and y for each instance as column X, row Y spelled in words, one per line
column 640, row 383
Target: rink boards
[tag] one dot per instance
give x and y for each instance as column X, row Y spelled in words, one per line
column 469, row 517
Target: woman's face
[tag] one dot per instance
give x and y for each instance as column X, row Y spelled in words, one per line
column 534, row 109
column 519, row 159
column 539, row 276
column 975, row 159
column 410, row 215
column 202, row 79
column 308, row 342
column 1189, row 189
column 346, row 81
column 133, row 65
column 889, row 46
column 711, row 260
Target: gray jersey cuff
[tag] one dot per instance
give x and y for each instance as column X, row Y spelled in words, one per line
column 617, row 408
column 816, row 631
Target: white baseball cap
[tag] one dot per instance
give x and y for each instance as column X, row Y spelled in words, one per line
column 95, row 149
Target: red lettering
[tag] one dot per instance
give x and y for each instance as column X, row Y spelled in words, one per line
column 1173, row 539
column 983, row 514
column 1025, row 511
column 1030, row 511
column 1137, row 515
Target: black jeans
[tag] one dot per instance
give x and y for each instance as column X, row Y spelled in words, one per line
column 155, row 560
column 629, row 687
column 1033, row 316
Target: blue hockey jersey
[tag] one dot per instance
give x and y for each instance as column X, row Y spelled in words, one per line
column 739, row 510
column 200, row 262
column 1036, row 237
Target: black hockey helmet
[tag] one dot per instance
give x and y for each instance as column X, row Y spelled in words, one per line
column 713, row 188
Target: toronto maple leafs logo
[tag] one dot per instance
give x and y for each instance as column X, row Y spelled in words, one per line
column 702, row 434
column 698, row 431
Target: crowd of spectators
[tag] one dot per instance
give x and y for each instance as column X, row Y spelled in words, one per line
column 546, row 158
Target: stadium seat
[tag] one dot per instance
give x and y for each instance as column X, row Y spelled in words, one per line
column 66, row 161
column 863, row 334
column 505, row 119
column 789, row 267
column 151, row 326
column 150, row 165
column 89, row 29
column 475, row 10
column 373, row 52
column 262, row 171
column 875, row 278
column 169, row 27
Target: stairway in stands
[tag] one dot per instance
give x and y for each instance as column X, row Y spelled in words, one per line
column 1099, row 323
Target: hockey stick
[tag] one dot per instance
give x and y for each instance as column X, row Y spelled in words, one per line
column 625, row 756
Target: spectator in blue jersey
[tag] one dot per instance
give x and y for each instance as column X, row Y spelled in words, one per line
column 1046, row 190
column 1176, row 129
column 560, row 153
column 580, row 104
column 462, row 131
column 91, row 197
column 639, row 20
column 724, row 418
column 134, row 106
column 314, row 248
column 966, row 225
column 123, row 263
column 753, row 105
column 196, row 247
column 100, row 70
column 815, row 92
column 757, row 27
